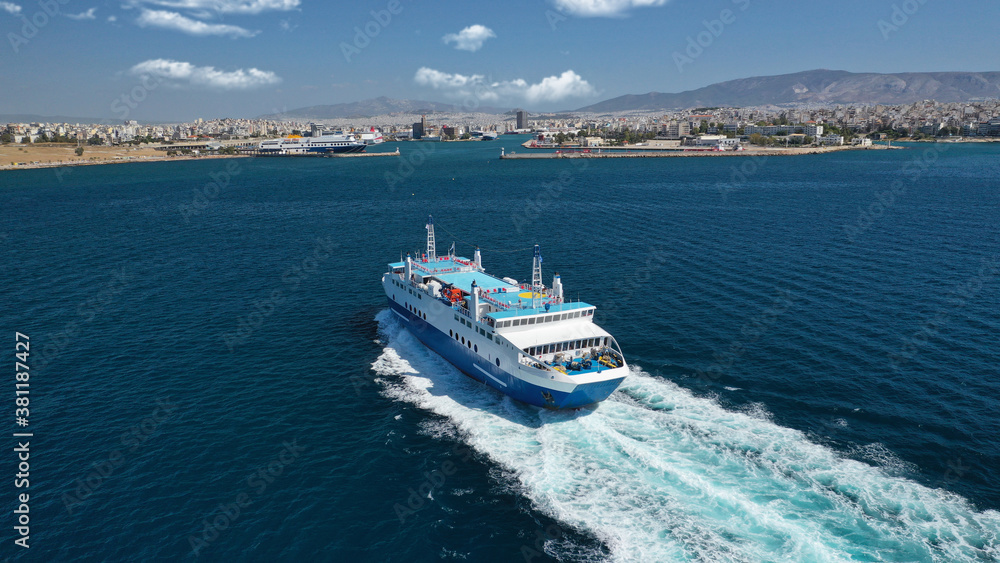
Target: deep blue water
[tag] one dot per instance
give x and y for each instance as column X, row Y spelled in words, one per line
column 801, row 391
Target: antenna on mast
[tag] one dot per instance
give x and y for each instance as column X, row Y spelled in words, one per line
column 431, row 252
column 536, row 277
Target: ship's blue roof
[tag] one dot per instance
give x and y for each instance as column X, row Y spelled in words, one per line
column 460, row 272
column 485, row 281
column 557, row 308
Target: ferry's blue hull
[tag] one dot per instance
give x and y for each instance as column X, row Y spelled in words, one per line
column 477, row 367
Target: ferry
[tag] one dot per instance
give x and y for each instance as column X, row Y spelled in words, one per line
column 295, row 144
column 522, row 339
column 371, row 137
column 490, row 135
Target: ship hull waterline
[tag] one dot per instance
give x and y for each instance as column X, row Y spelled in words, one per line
column 479, row 369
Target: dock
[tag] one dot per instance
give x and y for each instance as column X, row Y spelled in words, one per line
column 661, row 153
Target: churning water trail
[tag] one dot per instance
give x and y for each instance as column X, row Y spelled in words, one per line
column 658, row 474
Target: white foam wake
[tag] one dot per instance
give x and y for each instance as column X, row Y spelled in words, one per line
column 658, row 474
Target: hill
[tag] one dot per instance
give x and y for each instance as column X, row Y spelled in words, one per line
column 820, row 87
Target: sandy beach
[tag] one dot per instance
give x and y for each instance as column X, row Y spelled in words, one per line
column 19, row 156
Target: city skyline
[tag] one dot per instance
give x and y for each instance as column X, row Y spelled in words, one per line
column 173, row 60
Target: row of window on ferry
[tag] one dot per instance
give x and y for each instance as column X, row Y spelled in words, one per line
column 566, row 346
column 546, row 319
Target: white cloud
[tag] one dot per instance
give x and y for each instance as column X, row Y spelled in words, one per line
column 554, row 88
column 177, row 22
column 182, row 73
column 88, row 15
column 470, row 38
column 205, row 7
column 476, row 87
column 112, row 18
column 604, row 8
column 10, row 8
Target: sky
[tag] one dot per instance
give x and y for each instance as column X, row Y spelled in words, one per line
column 178, row 60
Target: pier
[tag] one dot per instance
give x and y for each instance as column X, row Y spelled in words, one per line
column 661, row 153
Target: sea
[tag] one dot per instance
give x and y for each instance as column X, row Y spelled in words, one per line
column 214, row 375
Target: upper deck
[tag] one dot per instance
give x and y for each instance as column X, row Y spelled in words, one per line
column 510, row 300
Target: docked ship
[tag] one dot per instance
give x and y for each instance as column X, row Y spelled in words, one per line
column 524, row 340
column 295, row 144
column 490, row 135
column 371, row 137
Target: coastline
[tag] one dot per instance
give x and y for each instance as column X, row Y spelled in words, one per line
column 125, row 160
column 640, row 152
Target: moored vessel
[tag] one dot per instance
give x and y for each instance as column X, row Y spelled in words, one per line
column 295, row 144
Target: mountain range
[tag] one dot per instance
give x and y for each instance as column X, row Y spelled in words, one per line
column 801, row 88
column 819, row 87
column 378, row 106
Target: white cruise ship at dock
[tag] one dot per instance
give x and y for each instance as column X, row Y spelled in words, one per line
column 295, row 144
column 524, row 340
